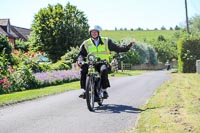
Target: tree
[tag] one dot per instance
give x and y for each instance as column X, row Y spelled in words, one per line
column 131, row 57
column 55, row 29
column 139, row 29
column 166, row 50
column 161, row 38
column 139, row 54
column 163, row 28
column 152, row 55
column 177, row 27
column 195, row 24
column 146, row 53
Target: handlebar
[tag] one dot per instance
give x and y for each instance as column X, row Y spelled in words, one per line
column 92, row 59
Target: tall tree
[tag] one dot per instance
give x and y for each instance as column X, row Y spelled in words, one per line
column 56, row 28
column 195, row 24
column 166, row 49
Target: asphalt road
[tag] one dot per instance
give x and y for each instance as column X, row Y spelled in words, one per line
column 66, row 113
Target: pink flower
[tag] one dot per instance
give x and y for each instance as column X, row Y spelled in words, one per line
column 4, row 80
column 1, row 81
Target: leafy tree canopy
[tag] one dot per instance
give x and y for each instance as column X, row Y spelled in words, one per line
column 56, row 28
column 195, row 24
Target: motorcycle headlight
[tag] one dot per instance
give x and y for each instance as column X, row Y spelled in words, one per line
column 91, row 57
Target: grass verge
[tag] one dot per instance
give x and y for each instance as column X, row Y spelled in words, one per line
column 16, row 97
column 128, row 73
column 175, row 107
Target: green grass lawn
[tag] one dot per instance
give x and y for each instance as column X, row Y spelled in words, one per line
column 16, row 97
column 174, row 108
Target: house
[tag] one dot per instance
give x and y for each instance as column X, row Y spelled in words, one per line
column 13, row 32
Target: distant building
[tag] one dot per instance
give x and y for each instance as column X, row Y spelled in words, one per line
column 13, row 32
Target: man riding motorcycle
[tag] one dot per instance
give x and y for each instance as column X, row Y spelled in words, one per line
column 100, row 47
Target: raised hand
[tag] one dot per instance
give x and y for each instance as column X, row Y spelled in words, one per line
column 131, row 44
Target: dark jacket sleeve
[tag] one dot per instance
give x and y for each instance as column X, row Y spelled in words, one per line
column 117, row 48
column 82, row 52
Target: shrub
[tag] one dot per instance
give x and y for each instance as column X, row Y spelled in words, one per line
column 4, row 45
column 21, row 45
column 23, row 78
column 146, row 53
column 140, row 54
column 45, row 67
column 188, row 53
column 60, row 65
column 6, row 85
column 131, row 57
column 71, row 55
column 4, row 73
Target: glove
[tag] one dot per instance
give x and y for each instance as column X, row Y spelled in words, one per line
column 80, row 61
column 131, row 44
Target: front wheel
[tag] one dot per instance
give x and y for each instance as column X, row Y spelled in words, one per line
column 100, row 93
column 90, row 94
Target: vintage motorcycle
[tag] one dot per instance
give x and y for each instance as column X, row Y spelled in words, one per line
column 94, row 91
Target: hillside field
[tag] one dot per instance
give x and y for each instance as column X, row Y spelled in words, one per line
column 137, row 35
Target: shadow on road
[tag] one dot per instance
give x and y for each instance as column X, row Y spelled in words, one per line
column 114, row 108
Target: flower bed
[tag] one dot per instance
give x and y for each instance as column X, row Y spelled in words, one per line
column 56, row 77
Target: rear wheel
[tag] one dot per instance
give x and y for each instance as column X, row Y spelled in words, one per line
column 90, row 94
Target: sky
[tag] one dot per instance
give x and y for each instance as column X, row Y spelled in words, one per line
column 147, row 14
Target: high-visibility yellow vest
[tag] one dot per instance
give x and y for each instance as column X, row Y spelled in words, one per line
column 100, row 51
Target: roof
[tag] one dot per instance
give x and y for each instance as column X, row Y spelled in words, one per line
column 4, row 22
column 15, row 32
column 3, row 32
column 24, row 33
column 11, row 34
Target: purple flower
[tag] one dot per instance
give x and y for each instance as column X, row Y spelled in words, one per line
column 60, row 75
